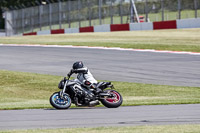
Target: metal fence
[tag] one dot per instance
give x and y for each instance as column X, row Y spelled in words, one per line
column 83, row 13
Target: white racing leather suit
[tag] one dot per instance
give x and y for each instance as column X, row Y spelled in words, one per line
column 84, row 75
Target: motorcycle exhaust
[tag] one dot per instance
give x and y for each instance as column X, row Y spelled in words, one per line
column 94, row 103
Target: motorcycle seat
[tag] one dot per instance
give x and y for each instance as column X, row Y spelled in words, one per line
column 103, row 84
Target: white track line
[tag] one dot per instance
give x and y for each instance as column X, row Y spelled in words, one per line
column 104, row 48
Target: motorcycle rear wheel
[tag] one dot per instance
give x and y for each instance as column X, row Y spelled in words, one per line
column 113, row 102
column 57, row 102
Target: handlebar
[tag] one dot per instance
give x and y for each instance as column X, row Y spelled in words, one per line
column 66, row 78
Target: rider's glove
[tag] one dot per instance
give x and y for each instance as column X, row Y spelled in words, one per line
column 70, row 73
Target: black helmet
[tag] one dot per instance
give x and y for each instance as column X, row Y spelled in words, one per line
column 77, row 65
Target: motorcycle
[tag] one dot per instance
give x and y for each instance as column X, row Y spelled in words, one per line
column 73, row 91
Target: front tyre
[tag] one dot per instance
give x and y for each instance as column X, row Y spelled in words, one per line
column 114, row 101
column 58, row 102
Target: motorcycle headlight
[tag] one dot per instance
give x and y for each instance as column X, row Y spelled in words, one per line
column 61, row 84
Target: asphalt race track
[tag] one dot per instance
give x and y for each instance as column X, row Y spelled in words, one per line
column 97, row 117
column 113, row 65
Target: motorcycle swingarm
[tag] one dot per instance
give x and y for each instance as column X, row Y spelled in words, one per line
column 104, row 94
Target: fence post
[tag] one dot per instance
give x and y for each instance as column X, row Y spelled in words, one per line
column 179, row 9
column 79, row 19
column 89, row 12
column 131, row 12
column 31, row 17
column 195, row 7
column 146, row 11
column 50, row 16
column 121, row 14
column 40, row 16
column 162, row 8
column 22, row 20
column 100, row 15
column 111, row 12
column 69, row 9
column 13, row 23
column 60, row 14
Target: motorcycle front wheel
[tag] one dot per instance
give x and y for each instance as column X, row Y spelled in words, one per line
column 114, row 101
column 60, row 103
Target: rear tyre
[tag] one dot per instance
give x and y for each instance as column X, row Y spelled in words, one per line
column 114, row 101
column 59, row 103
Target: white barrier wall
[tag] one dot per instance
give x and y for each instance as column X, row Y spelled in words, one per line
column 2, row 34
column 147, row 26
column 72, row 30
column 102, row 28
column 134, row 26
column 174, row 24
column 141, row 26
column 188, row 23
column 45, row 32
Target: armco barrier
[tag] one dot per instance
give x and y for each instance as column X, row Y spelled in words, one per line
column 119, row 27
column 59, row 31
column 29, row 34
column 86, row 29
column 164, row 25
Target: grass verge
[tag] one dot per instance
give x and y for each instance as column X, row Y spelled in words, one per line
column 136, row 129
column 21, row 90
column 175, row 40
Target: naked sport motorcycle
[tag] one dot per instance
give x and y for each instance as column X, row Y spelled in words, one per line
column 73, row 91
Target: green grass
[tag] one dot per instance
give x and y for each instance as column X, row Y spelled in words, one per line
column 176, row 40
column 19, row 90
column 25, row 90
column 134, row 129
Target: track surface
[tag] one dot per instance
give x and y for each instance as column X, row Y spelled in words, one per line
column 142, row 67
column 93, row 117
column 113, row 65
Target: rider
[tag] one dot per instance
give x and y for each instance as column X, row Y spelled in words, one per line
column 84, row 75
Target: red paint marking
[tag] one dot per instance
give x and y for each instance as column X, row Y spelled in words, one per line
column 30, row 34
column 119, row 27
column 58, row 31
column 165, row 25
column 86, row 29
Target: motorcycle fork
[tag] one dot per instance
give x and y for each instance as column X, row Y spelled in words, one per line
column 63, row 91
